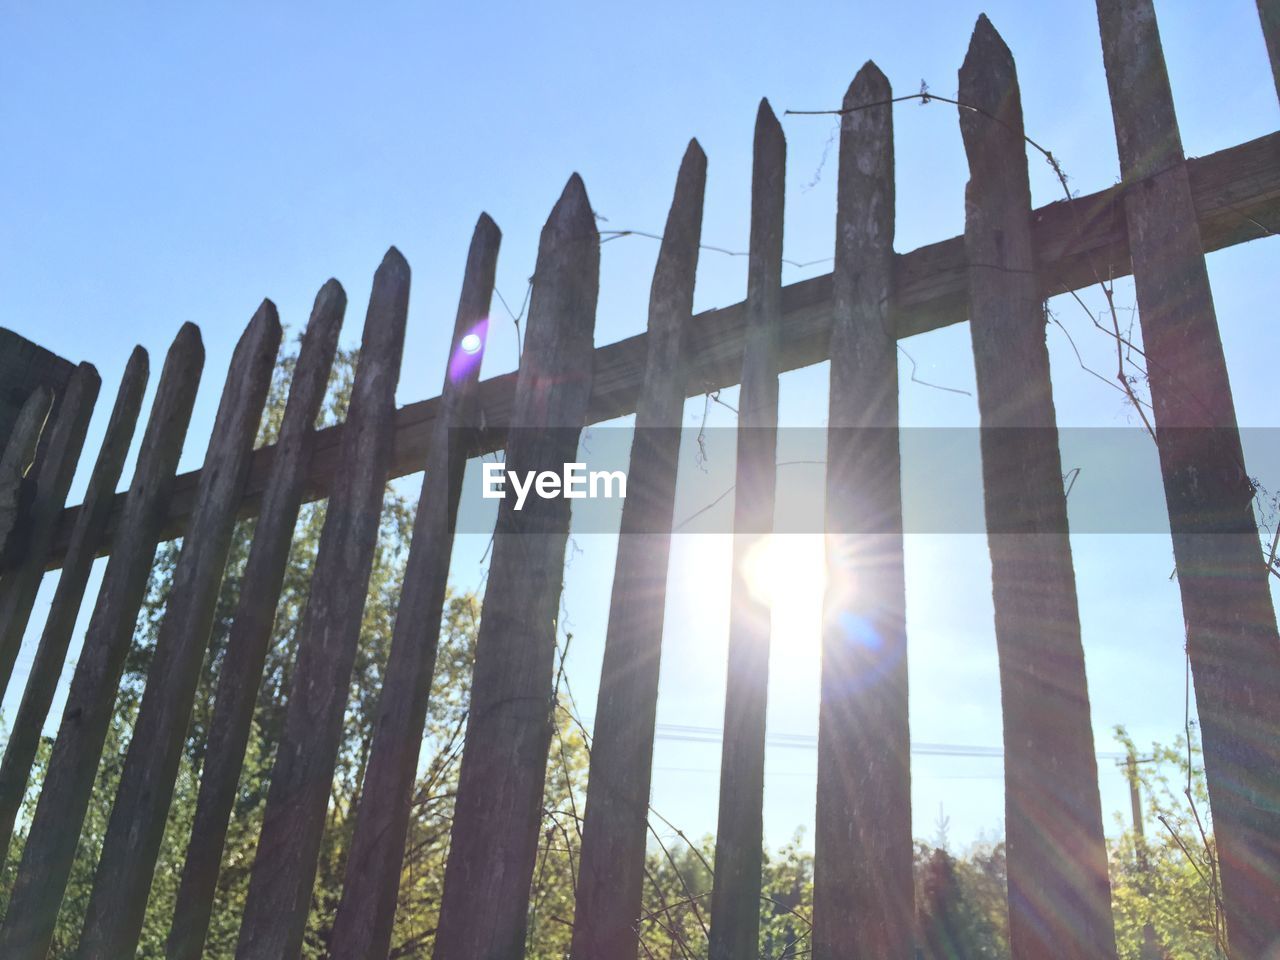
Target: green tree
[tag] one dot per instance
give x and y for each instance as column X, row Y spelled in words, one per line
column 1168, row 879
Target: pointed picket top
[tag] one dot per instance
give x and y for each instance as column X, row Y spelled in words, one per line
column 170, row 410
column 255, row 350
column 693, row 153
column 767, row 125
column 391, row 278
column 471, row 324
column 868, row 87
column 770, row 146
column 138, row 365
column 330, row 294
column 393, row 260
column 673, row 277
column 769, row 166
column 319, row 344
column 989, row 79
column 187, row 346
column 383, row 338
column 264, row 323
column 486, row 229
column 572, row 218
column 764, row 272
column 562, row 304
column 691, row 183
column 865, row 194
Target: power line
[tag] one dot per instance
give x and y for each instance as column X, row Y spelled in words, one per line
column 803, row 741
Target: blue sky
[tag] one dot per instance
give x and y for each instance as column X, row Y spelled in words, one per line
column 170, row 164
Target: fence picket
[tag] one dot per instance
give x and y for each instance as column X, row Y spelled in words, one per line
column 113, row 920
column 64, row 796
column 285, row 863
column 484, row 908
column 863, row 893
column 1059, row 889
column 51, row 654
column 363, row 925
column 15, row 463
column 611, row 867
column 1222, row 576
column 735, row 895
column 251, row 629
column 53, row 472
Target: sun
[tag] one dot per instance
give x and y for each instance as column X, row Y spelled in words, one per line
column 788, row 573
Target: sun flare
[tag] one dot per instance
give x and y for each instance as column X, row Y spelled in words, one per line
column 788, row 573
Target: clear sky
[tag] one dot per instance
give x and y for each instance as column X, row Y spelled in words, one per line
column 166, row 164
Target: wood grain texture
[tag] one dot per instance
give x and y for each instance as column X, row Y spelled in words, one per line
column 50, row 480
column 494, row 841
column 16, row 478
column 122, row 882
column 612, row 861
column 366, row 913
column 1074, row 240
column 64, row 796
column 284, row 866
column 1059, row 890
column 55, row 638
column 863, row 892
column 1231, row 627
column 735, row 894
column 250, row 634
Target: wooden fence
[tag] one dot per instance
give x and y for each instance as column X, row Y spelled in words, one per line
column 1156, row 224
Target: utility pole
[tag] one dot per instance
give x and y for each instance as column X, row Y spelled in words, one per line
column 1150, row 943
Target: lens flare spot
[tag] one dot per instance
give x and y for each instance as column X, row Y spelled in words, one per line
column 466, row 357
column 860, row 630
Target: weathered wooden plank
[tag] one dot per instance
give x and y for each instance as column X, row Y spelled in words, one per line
column 293, row 824
column 122, row 882
column 64, row 796
column 1059, row 890
column 24, row 366
column 366, row 913
column 863, row 890
column 1269, row 14
column 735, row 895
column 1231, row 627
column 612, row 863
column 51, row 480
column 485, row 904
column 15, row 465
column 51, row 654
column 250, row 634
column 1075, row 241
